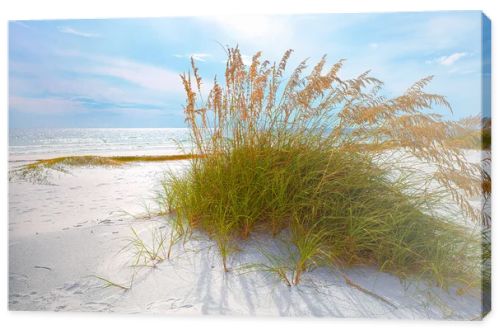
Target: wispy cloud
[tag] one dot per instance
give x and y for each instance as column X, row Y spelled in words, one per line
column 105, row 83
column 450, row 59
column 147, row 76
column 195, row 56
column 72, row 31
column 44, row 105
column 62, row 105
column 151, row 77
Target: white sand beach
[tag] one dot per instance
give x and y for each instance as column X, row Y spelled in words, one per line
column 63, row 235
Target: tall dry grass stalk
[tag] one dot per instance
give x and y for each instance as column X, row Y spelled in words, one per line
column 355, row 177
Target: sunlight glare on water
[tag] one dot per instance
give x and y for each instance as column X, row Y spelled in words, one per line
column 26, row 144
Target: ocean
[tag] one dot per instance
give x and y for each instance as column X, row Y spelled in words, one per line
column 30, row 144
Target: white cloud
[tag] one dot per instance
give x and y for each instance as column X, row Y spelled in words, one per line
column 155, row 78
column 195, row 56
column 447, row 60
column 44, row 105
column 71, row 31
column 146, row 76
column 451, row 59
column 152, row 85
column 61, row 105
column 33, row 79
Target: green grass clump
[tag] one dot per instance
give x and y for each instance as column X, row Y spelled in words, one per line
column 94, row 160
column 309, row 157
column 38, row 171
column 349, row 213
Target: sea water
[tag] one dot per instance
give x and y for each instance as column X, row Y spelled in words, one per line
column 30, row 144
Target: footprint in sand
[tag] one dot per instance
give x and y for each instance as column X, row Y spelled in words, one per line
column 71, row 286
column 43, row 267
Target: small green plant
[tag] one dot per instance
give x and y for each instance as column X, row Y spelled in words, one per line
column 151, row 253
column 308, row 243
column 109, row 283
column 279, row 262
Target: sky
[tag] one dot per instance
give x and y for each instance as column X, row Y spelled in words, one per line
column 125, row 72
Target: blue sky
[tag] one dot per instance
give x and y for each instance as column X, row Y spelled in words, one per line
column 125, row 72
